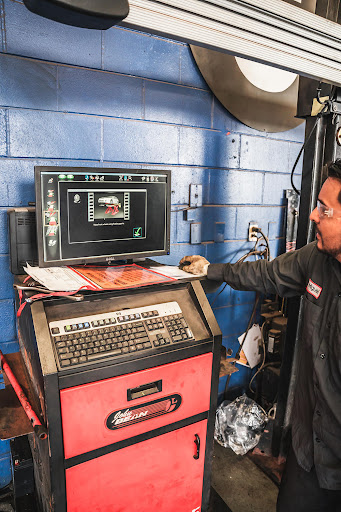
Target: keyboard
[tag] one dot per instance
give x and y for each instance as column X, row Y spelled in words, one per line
column 92, row 338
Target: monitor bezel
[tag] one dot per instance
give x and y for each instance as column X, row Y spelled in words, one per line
column 96, row 259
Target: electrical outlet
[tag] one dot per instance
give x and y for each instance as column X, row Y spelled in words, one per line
column 253, row 234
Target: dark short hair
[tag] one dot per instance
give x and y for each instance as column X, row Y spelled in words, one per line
column 334, row 169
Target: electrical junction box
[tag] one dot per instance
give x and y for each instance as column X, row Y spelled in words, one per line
column 196, row 233
column 195, row 196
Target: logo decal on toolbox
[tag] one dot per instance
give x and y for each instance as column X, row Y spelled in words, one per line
column 130, row 416
column 314, row 289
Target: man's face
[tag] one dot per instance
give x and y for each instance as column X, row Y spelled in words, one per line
column 328, row 229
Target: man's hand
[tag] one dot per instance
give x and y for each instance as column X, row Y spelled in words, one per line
column 197, row 264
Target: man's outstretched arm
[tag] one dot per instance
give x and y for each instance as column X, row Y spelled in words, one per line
column 286, row 275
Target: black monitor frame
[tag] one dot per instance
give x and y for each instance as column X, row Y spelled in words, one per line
column 104, row 258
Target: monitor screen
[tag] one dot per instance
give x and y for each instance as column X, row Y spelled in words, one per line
column 89, row 215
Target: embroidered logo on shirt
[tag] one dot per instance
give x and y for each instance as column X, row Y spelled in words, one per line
column 314, row 289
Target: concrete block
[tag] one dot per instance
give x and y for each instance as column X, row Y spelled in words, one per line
column 179, row 250
column 233, row 319
column 261, row 215
column 3, row 191
column 211, row 215
column 26, row 83
column 54, row 135
column 6, row 281
column 176, row 104
column 33, row 36
column 275, row 187
column 140, row 141
column 3, row 133
column 189, row 71
column 3, row 231
column 8, row 326
column 262, row 154
column 295, row 134
column 277, row 247
column 235, row 187
column 182, row 177
column 9, row 347
column 223, row 120
column 136, row 53
column 183, row 230
column 294, row 150
column 228, row 252
column 98, row 92
column 208, row 216
column 208, row 148
column 4, row 448
column 5, row 471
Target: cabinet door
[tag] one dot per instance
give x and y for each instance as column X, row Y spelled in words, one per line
column 86, row 408
column 157, row 475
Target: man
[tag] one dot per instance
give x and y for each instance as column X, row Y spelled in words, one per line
column 312, row 478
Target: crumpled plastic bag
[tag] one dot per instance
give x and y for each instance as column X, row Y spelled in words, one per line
column 239, row 424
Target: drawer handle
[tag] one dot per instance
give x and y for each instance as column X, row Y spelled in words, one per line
column 197, row 443
column 144, row 390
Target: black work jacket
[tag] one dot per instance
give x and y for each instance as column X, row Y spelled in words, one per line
column 316, row 416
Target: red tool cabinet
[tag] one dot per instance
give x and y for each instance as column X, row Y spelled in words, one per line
column 132, row 432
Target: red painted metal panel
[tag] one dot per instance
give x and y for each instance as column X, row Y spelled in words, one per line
column 158, row 475
column 86, row 408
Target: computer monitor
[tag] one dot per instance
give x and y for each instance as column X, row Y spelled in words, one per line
column 90, row 215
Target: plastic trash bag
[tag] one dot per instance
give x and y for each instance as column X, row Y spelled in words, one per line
column 239, row 424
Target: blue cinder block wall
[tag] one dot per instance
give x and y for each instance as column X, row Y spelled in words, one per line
column 77, row 97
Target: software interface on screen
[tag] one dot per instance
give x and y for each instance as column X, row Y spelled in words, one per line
column 87, row 214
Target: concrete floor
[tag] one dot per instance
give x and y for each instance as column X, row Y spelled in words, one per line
column 241, row 484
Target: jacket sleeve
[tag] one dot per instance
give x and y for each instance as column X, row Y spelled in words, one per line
column 286, row 275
